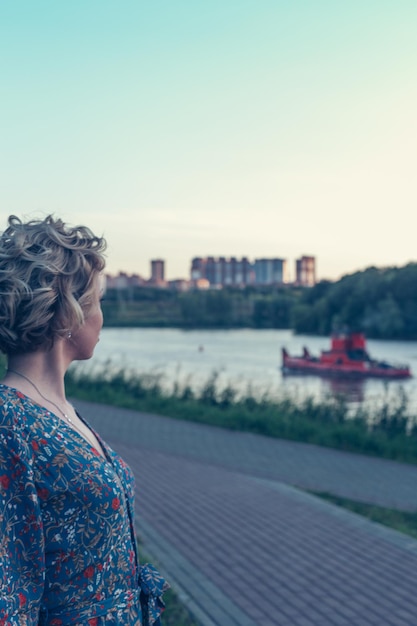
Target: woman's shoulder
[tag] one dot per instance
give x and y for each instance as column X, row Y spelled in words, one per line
column 15, row 418
column 20, row 429
column 10, row 403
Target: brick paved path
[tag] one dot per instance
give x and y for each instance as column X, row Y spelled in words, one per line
column 245, row 548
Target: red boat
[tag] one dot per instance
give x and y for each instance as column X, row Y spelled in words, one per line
column 347, row 357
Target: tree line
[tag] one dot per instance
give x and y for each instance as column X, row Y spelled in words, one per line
column 382, row 302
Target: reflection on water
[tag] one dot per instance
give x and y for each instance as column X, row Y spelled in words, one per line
column 350, row 389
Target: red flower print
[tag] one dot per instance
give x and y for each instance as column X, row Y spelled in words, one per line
column 43, row 493
column 20, row 394
column 115, row 504
column 35, row 445
column 22, row 599
column 93, row 621
column 4, row 481
column 56, row 622
column 89, row 571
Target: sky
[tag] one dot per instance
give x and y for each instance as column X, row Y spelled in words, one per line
column 182, row 128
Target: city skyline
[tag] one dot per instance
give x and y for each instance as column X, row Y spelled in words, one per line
column 181, row 128
column 276, row 269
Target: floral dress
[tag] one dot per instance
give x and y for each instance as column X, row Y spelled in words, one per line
column 67, row 542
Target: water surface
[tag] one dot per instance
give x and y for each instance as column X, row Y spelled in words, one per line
column 246, row 358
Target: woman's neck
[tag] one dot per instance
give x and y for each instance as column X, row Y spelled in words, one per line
column 42, row 370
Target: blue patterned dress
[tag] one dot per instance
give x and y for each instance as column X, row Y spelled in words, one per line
column 67, row 540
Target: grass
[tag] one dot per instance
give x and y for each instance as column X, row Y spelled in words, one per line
column 175, row 614
column 388, row 431
column 402, row 521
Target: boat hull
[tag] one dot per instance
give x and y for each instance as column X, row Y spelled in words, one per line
column 296, row 365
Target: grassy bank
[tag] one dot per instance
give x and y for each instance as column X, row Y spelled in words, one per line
column 398, row 520
column 389, row 431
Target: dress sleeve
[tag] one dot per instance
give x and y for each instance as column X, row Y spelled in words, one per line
column 22, row 561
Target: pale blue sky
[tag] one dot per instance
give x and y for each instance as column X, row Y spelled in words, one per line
column 181, row 128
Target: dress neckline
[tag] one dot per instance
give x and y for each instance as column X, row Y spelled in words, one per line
column 102, row 451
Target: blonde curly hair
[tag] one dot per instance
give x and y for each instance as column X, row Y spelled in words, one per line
column 47, row 278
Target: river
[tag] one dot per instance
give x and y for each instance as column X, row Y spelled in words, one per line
column 246, row 359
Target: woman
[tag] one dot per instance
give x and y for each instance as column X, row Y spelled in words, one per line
column 67, row 541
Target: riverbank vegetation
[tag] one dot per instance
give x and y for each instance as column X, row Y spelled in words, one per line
column 388, row 431
column 382, row 302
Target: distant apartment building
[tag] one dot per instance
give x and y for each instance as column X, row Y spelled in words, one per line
column 270, row 271
column 157, row 272
column 305, row 271
column 222, row 271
